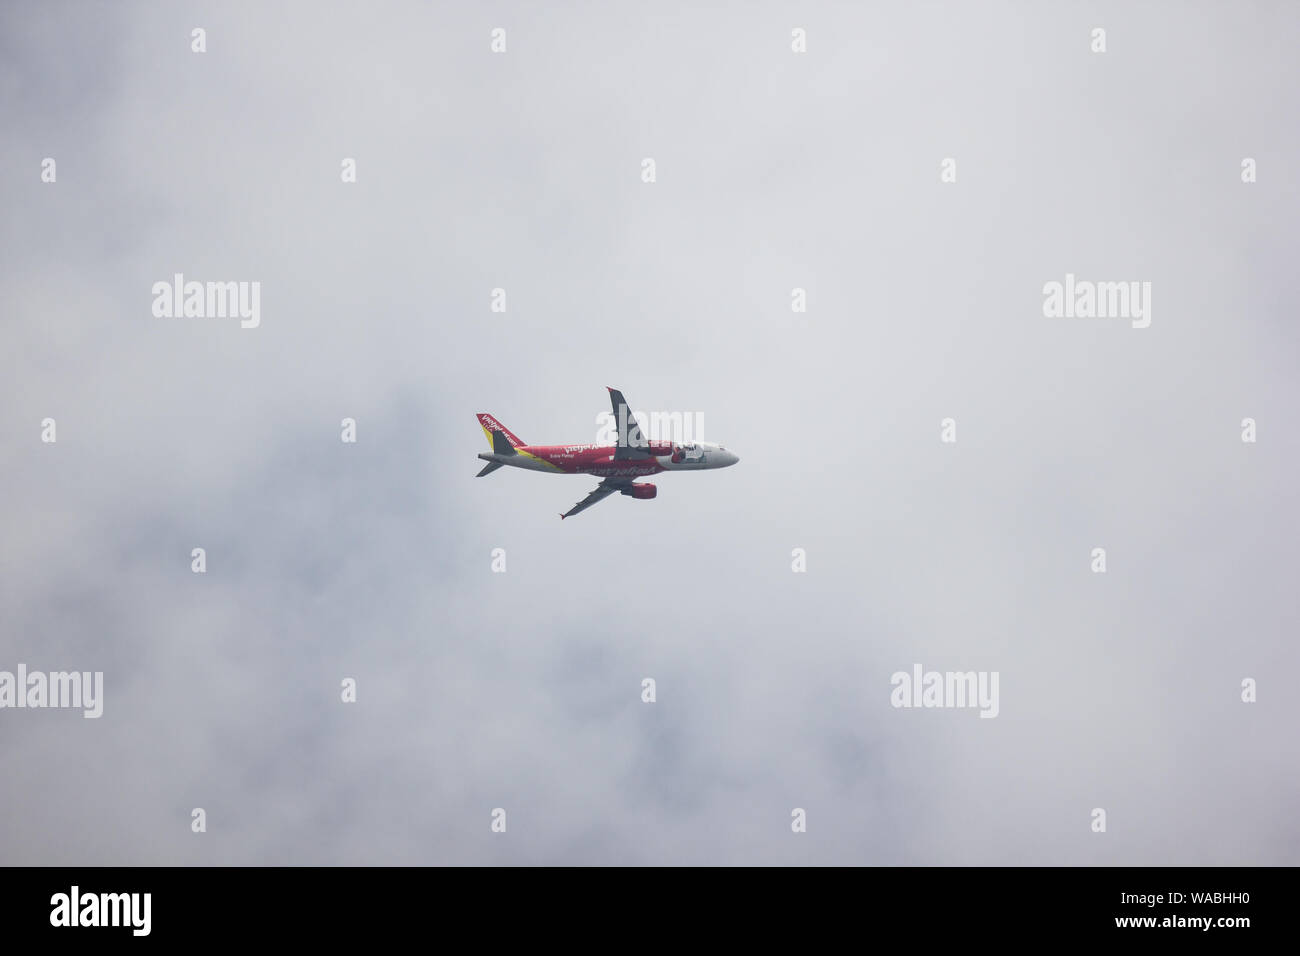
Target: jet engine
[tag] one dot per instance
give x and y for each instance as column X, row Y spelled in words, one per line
column 641, row 489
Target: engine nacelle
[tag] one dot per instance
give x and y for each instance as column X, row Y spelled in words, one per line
column 641, row 489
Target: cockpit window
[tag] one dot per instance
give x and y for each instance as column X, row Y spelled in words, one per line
column 688, row 451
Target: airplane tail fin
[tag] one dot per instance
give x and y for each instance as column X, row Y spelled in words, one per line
column 491, row 425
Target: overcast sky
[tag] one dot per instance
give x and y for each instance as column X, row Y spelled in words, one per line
column 522, row 690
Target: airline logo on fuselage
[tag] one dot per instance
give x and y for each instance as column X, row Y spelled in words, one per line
column 630, row 472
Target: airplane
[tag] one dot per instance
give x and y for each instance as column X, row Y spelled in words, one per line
column 633, row 456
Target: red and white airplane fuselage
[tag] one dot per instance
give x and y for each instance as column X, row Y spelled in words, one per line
column 599, row 460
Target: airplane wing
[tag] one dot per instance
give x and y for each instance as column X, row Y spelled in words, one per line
column 632, row 443
column 602, row 491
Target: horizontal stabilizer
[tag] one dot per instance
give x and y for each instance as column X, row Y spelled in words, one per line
column 489, row 468
column 501, row 444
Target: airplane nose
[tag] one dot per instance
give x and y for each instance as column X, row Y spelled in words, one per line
column 732, row 458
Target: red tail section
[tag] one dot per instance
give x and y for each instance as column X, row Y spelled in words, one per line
column 490, row 425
